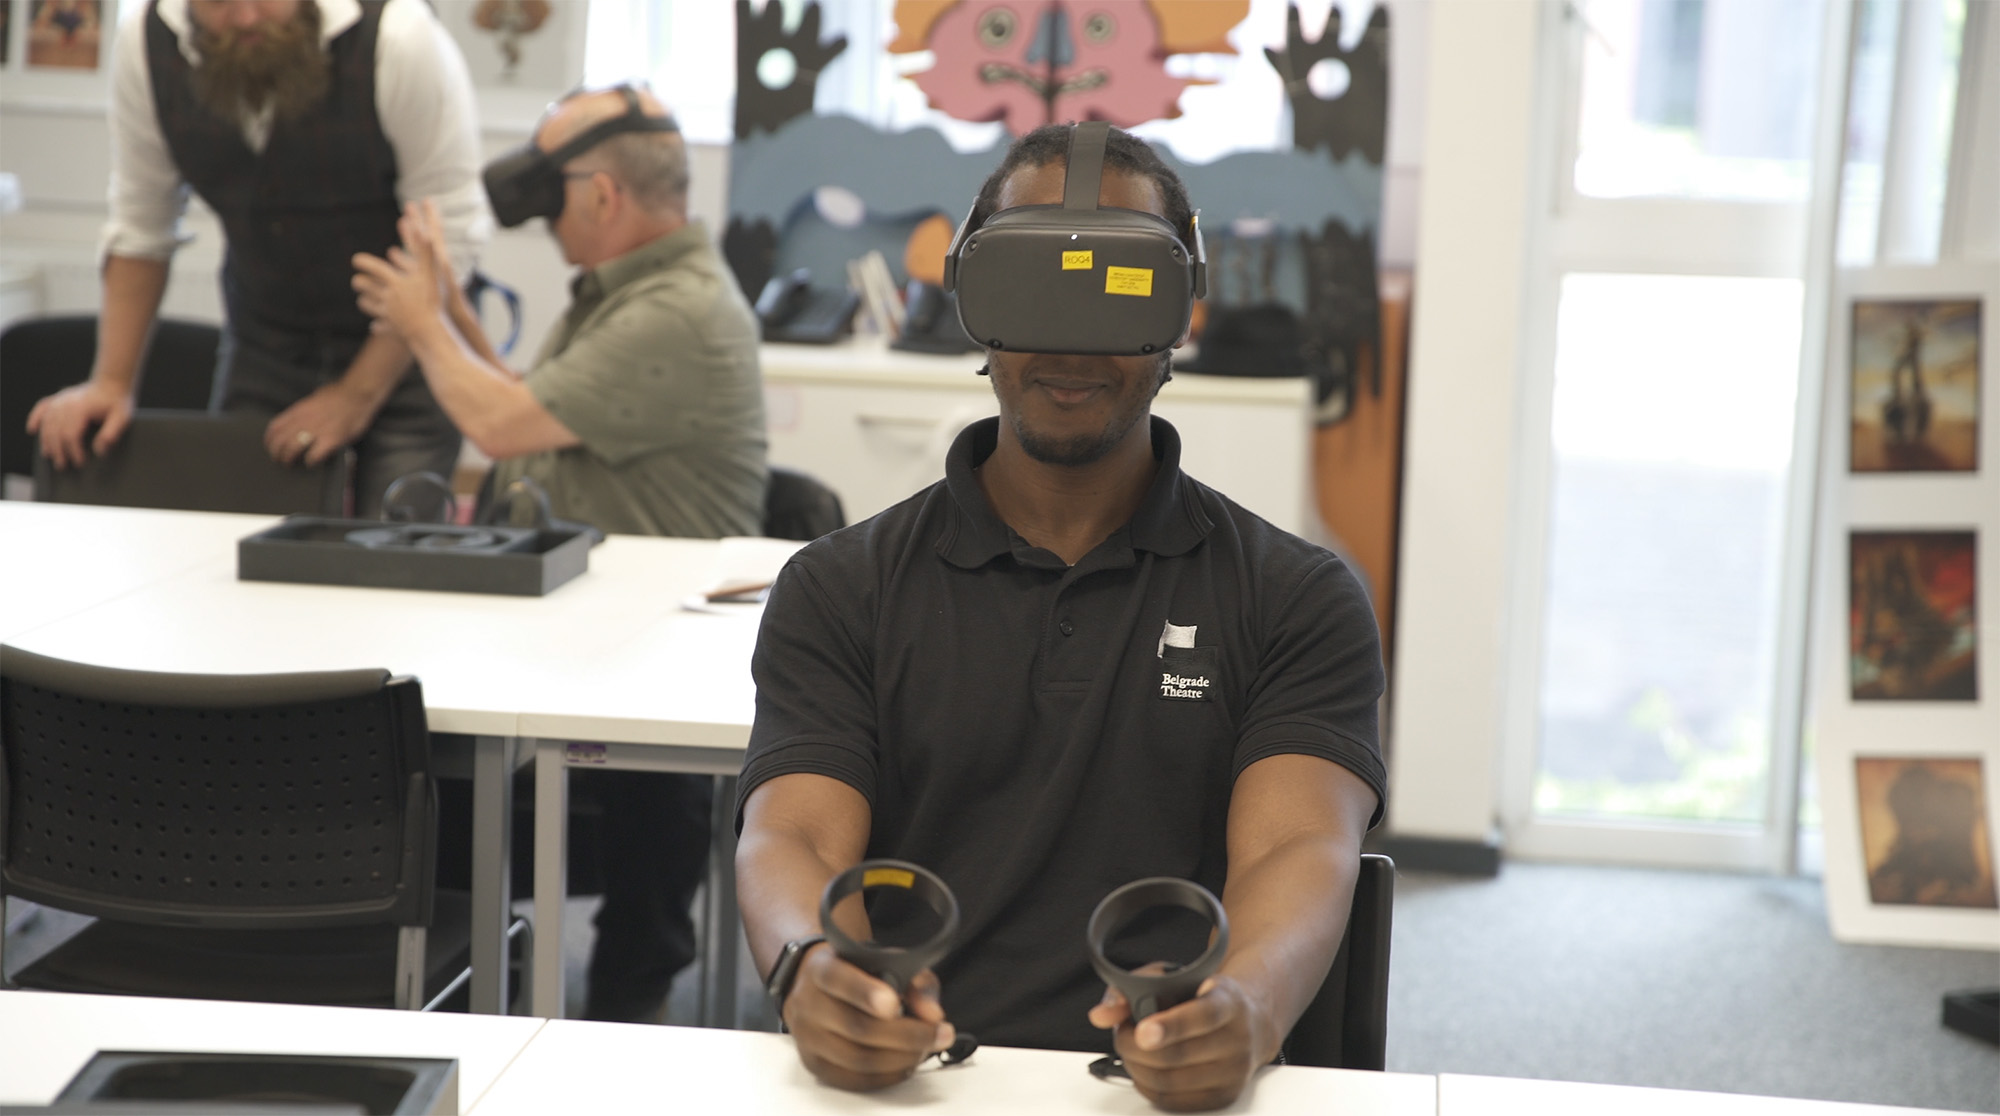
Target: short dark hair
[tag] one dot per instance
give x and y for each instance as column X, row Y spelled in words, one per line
column 1122, row 151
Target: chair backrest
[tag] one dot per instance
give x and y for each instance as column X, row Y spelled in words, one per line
column 44, row 355
column 798, row 506
column 1347, row 1024
column 194, row 461
column 228, row 801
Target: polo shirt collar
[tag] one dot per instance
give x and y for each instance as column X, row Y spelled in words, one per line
column 657, row 254
column 1170, row 520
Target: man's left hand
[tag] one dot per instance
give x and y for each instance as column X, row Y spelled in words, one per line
column 1193, row 1056
column 318, row 426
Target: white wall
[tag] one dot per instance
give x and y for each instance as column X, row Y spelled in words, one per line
column 1472, row 208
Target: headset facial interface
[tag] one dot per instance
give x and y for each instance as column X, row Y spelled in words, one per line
column 527, row 182
column 1076, row 277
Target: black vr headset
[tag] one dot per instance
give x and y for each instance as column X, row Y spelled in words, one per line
column 528, row 182
column 1074, row 278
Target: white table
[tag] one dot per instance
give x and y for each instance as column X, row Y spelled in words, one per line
column 58, row 559
column 575, row 1066
column 46, row 1037
column 1463, row 1095
column 609, row 658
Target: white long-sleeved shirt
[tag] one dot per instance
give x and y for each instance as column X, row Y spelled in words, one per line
column 423, row 99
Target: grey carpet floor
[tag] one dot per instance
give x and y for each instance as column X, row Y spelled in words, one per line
column 1680, row 980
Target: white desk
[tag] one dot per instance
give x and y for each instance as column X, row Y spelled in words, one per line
column 608, row 658
column 1462, row 1095
column 58, row 559
column 46, row 1037
column 574, row 1066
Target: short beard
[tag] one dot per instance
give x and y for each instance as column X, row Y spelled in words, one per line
column 1089, row 449
column 285, row 69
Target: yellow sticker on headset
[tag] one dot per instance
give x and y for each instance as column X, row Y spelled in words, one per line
column 1129, row 281
column 893, row 877
column 1077, row 261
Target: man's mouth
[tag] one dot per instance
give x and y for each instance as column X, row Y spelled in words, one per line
column 993, row 73
column 1069, row 392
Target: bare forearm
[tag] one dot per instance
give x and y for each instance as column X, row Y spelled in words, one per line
column 133, row 288
column 1287, row 914
column 489, row 404
column 377, row 369
column 473, row 334
column 799, row 831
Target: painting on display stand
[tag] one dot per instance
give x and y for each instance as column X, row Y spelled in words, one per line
column 65, row 34
column 1915, row 385
column 1913, row 616
column 1924, row 836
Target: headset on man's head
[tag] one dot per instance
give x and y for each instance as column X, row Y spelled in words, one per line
column 1077, row 277
column 527, row 182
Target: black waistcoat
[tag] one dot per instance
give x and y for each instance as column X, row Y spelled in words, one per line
column 322, row 189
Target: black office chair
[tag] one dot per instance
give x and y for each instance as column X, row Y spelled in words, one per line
column 195, row 461
column 238, row 837
column 40, row 356
column 798, row 506
column 1347, row 1024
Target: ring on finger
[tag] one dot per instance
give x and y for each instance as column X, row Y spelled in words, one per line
column 305, row 437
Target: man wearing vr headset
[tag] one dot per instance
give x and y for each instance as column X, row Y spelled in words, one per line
column 1065, row 667
column 643, row 414
column 301, row 123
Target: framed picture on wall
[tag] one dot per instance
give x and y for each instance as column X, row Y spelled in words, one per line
column 66, row 34
column 1914, row 385
column 1924, row 837
column 520, row 54
column 1912, row 623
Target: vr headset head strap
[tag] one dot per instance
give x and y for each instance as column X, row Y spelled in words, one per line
column 633, row 119
column 1085, row 172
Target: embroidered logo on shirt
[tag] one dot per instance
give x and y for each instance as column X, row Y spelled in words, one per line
column 1187, row 672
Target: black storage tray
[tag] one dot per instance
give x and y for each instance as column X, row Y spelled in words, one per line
column 267, row 1082
column 519, row 561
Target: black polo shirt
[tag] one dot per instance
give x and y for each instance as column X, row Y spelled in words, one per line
column 1037, row 733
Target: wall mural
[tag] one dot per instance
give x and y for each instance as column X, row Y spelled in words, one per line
column 1291, row 234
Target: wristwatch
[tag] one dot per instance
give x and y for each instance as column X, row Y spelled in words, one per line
column 786, row 971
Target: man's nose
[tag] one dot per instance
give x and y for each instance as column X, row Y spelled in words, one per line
column 1052, row 42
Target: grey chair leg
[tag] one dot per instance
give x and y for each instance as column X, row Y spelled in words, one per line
column 410, row 968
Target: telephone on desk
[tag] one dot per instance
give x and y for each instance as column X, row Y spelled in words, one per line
column 932, row 325
column 791, row 309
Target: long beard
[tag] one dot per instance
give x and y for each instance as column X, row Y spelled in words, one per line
column 283, row 67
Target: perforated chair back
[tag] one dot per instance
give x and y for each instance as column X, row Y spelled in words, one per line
column 282, row 801
column 194, row 461
column 1347, row 1024
column 39, row 356
column 799, row 506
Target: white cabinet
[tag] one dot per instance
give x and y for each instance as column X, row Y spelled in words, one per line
column 874, row 424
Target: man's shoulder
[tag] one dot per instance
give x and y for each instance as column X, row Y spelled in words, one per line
column 1274, row 559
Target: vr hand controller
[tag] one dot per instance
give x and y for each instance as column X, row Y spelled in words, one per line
column 1147, row 993
column 896, row 966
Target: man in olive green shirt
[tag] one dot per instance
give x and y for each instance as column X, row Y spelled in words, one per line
column 642, row 415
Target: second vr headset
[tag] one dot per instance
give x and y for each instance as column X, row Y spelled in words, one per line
column 527, row 182
column 1076, row 278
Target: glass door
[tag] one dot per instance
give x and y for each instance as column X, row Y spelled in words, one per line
column 1649, row 674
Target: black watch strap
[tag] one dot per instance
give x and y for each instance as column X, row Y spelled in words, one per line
column 783, row 974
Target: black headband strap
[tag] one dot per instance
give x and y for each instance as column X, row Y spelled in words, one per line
column 634, row 119
column 1085, row 172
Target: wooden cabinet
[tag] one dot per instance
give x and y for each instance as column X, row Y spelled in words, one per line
column 874, row 424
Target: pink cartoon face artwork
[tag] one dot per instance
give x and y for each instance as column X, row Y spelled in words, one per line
column 1033, row 62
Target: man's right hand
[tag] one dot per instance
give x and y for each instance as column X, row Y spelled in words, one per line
column 63, row 421
column 852, row 1031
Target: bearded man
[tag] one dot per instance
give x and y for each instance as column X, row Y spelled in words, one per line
column 304, row 125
